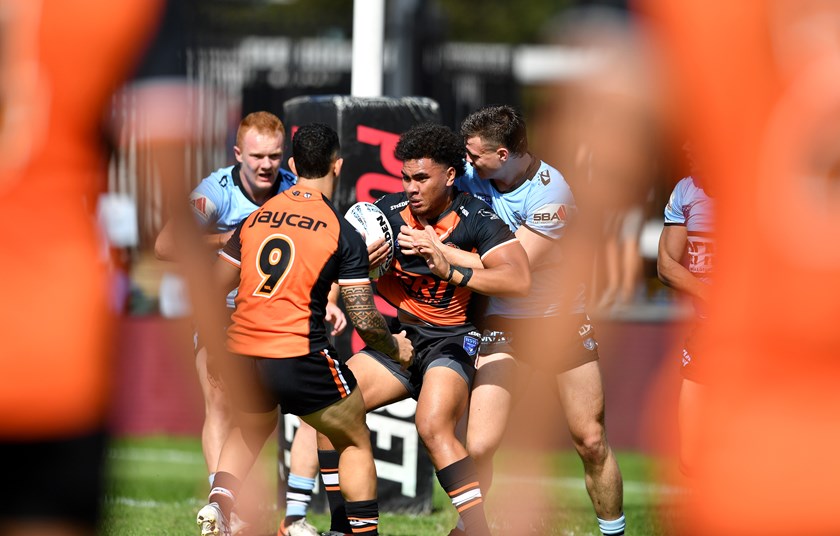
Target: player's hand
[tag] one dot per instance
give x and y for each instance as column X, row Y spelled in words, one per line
column 214, row 370
column 406, row 239
column 377, row 253
column 406, row 350
column 423, row 244
column 409, row 237
column 335, row 316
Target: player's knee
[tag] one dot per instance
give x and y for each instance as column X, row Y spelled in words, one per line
column 592, row 447
column 356, row 436
column 481, row 448
column 434, row 435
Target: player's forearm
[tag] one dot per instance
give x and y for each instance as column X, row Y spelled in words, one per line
column 166, row 248
column 368, row 321
column 501, row 280
column 459, row 257
column 335, row 291
column 164, row 244
column 217, row 240
column 677, row 276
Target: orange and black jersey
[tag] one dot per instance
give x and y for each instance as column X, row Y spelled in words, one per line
column 468, row 224
column 289, row 252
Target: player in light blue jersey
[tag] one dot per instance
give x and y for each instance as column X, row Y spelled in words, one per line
column 684, row 263
column 536, row 202
column 222, row 200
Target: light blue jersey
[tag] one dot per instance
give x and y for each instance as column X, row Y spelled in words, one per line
column 220, row 201
column 690, row 207
column 543, row 204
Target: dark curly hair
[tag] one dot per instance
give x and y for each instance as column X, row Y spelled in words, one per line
column 315, row 147
column 497, row 126
column 430, row 140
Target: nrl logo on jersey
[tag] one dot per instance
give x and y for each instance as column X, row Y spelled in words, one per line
column 545, row 177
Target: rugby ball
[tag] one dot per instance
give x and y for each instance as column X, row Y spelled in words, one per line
column 372, row 225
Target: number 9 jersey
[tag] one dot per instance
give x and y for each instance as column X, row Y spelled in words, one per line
column 289, row 253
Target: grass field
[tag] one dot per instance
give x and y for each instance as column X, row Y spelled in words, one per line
column 156, row 485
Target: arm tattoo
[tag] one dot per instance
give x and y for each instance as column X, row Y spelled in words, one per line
column 358, row 301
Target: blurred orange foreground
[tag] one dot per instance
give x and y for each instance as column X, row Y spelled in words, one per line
column 758, row 85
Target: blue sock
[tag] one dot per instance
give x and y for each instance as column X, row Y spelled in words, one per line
column 613, row 527
column 298, row 496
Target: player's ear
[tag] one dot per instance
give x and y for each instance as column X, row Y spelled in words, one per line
column 237, row 152
column 337, row 166
column 451, row 174
column 292, row 166
column 502, row 153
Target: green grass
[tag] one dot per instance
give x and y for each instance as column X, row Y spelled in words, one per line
column 156, row 485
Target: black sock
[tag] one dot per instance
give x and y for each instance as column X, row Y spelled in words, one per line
column 328, row 460
column 460, row 481
column 363, row 517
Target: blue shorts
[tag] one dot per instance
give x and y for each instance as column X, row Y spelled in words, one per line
column 454, row 347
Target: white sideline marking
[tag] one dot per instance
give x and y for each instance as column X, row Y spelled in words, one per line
column 145, row 503
column 580, row 484
column 134, row 454
column 154, row 455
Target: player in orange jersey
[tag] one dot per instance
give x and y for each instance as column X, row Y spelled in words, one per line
column 433, row 299
column 220, row 202
column 284, row 258
column 61, row 63
column 758, row 90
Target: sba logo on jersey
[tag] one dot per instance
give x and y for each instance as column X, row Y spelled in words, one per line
column 551, row 214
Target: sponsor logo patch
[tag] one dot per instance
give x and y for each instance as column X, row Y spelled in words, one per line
column 551, row 214
column 484, row 197
column 200, row 205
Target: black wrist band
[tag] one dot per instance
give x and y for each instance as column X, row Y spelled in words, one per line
column 451, row 271
column 466, row 274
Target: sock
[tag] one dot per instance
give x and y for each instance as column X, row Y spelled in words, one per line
column 613, row 527
column 225, row 487
column 298, row 497
column 460, row 481
column 364, row 517
column 328, row 460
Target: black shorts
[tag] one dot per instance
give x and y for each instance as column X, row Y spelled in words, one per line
column 454, row 347
column 299, row 385
column 555, row 344
column 692, row 367
column 54, row 480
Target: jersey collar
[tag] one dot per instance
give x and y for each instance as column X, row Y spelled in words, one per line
column 237, row 180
